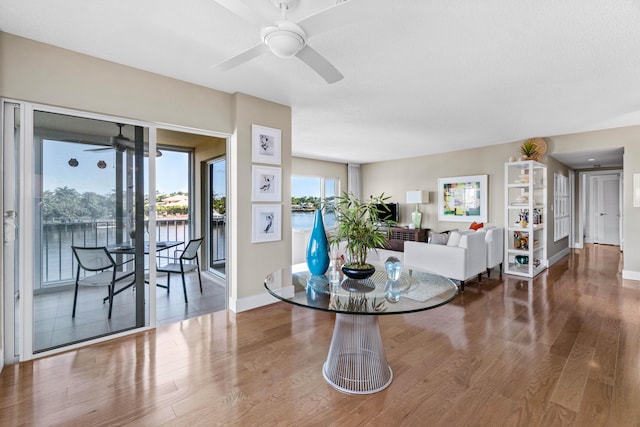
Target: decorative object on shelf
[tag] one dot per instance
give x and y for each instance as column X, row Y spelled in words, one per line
column 318, row 247
column 417, row 197
column 357, row 224
column 520, row 240
column 512, row 159
column 533, row 149
column 529, row 150
column 73, row 162
column 463, row 199
column 522, row 259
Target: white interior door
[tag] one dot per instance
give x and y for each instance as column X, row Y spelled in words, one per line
column 607, row 212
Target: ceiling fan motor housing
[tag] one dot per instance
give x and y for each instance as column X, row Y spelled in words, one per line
column 285, row 39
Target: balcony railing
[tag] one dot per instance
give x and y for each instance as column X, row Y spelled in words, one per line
column 59, row 265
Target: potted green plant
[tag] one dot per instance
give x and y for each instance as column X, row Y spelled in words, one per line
column 357, row 224
column 529, row 149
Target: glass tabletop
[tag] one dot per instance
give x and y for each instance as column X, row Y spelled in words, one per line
column 129, row 248
column 374, row 296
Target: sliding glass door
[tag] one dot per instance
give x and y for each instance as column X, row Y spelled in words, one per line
column 88, row 214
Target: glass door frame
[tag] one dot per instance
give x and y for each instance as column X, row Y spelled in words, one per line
column 23, row 330
column 26, row 216
column 209, row 209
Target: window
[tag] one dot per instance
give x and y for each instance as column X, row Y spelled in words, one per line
column 310, row 193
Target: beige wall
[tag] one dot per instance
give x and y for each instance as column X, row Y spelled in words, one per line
column 36, row 72
column 307, row 167
column 398, row 176
column 255, row 261
column 553, row 167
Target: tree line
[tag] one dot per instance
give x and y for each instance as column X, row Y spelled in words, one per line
column 66, row 204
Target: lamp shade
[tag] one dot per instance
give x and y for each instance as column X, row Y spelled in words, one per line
column 417, row 196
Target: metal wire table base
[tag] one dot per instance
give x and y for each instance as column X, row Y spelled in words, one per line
column 356, row 362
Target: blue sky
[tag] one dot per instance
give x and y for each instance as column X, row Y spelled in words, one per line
column 305, row 186
column 172, row 169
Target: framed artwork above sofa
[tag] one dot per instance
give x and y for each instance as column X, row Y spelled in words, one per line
column 463, row 198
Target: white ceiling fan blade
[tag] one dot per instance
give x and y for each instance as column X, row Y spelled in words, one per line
column 239, row 8
column 333, row 17
column 319, row 64
column 241, row 58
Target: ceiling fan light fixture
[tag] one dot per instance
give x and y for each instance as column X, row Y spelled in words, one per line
column 285, row 40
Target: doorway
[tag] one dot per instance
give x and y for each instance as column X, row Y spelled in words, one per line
column 606, row 212
column 75, row 179
column 603, row 207
column 217, row 214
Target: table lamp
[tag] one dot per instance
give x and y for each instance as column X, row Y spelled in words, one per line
column 417, row 197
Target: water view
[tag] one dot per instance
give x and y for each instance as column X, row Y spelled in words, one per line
column 304, row 219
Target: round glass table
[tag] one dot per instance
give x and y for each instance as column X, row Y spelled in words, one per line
column 356, row 362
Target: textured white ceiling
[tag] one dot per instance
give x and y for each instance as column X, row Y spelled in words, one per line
column 421, row 76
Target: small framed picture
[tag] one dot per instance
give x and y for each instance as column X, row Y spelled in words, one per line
column 266, row 145
column 267, row 223
column 266, row 184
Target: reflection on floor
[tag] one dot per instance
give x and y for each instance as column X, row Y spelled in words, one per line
column 54, row 326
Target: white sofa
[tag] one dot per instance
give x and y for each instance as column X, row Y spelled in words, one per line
column 494, row 238
column 462, row 258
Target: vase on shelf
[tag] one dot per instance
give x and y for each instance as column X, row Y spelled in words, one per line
column 318, row 247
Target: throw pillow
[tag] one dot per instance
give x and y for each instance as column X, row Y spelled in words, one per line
column 476, row 225
column 439, row 238
column 454, row 239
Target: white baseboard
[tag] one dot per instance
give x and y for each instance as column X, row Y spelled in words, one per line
column 255, row 301
column 557, row 257
column 630, row 275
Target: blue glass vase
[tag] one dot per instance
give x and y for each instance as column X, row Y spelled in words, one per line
column 318, row 248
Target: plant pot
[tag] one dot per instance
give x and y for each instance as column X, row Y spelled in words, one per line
column 363, row 272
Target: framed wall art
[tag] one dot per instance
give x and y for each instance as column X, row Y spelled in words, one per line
column 267, row 223
column 266, row 184
column 266, row 145
column 462, row 198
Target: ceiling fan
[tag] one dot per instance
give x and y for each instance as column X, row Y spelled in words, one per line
column 121, row 143
column 286, row 39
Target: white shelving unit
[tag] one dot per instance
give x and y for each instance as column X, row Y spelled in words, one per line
column 525, row 196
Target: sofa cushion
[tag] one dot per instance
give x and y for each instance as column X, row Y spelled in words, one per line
column 454, row 239
column 439, row 238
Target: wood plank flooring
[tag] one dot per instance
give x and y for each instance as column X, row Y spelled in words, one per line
column 562, row 349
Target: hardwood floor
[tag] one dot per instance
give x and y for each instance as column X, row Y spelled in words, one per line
column 560, row 350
